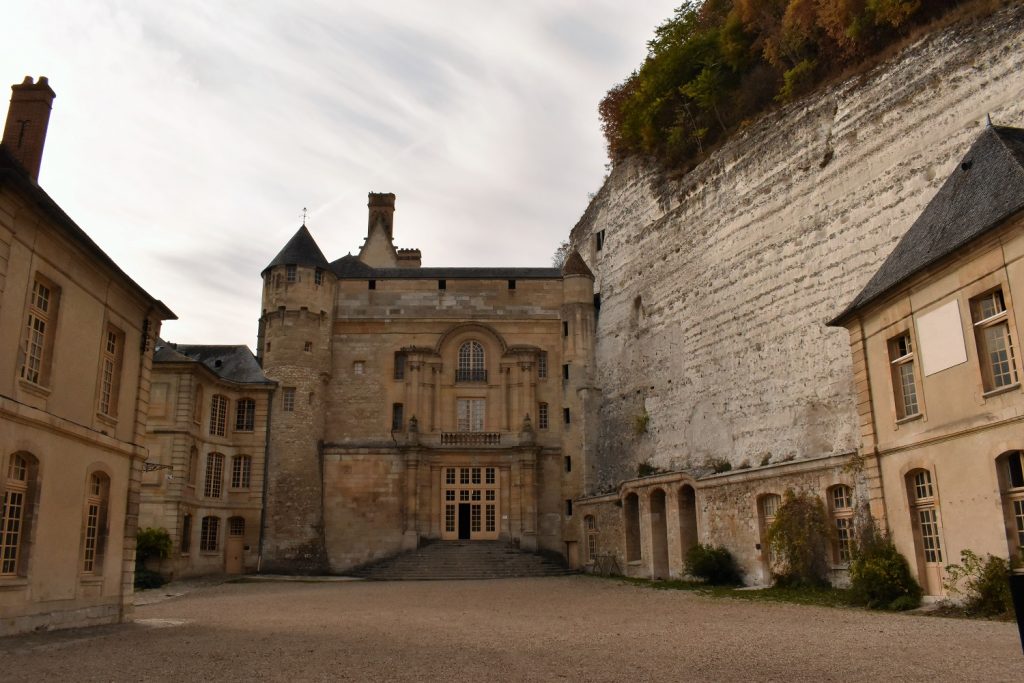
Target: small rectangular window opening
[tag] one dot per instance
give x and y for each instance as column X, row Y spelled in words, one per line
column 397, row 420
column 565, row 328
column 307, row 347
column 568, row 507
column 565, row 371
column 599, row 240
column 373, row 284
column 568, row 463
column 318, row 276
column 291, row 273
column 442, row 284
column 511, row 284
column 565, row 415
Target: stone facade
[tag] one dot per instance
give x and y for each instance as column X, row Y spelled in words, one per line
column 207, row 437
column 420, row 403
column 76, row 340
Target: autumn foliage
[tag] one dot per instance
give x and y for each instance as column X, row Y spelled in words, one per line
column 717, row 63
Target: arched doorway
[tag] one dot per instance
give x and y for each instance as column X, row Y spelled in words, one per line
column 688, row 536
column 659, row 536
column 631, row 511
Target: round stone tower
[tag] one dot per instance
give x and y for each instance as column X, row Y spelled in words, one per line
column 295, row 351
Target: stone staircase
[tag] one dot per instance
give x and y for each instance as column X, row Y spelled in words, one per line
column 448, row 560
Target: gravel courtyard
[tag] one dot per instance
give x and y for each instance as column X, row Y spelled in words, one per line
column 566, row 628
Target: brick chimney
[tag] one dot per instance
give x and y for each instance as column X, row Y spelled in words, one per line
column 27, row 119
column 382, row 205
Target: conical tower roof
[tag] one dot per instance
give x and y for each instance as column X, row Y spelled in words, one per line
column 575, row 265
column 301, row 250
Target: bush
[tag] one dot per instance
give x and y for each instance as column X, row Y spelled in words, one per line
column 800, row 540
column 880, row 577
column 147, row 579
column 715, row 565
column 985, row 588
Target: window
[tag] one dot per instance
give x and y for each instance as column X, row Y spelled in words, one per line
column 511, row 284
column 288, row 399
column 542, row 365
column 318, row 276
column 925, row 516
column 193, row 466
column 841, row 505
column 471, row 414
column 442, row 284
column 16, row 507
column 245, row 415
column 400, row 358
column 214, row 475
column 209, row 535
column 42, row 312
column 372, row 284
column 186, row 533
column 995, row 345
column 291, row 273
column 568, row 507
column 358, row 367
column 308, row 347
column 95, row 533
column 542, row 416
column 568, row 463
column 1011, row 466
column 471, row 363
column 236, row 526
column 591, row 526
column 218, row 415
column 904, row 388
column 565, row 371
column 599, row 240
column 770, row 507
column 565, row 328
column 565, row 416
column 241, row 471
column 197, row 405
column 397, row 421
column 110, row 370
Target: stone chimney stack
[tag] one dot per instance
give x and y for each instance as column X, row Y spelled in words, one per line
column 382, row 206
column 27, row 119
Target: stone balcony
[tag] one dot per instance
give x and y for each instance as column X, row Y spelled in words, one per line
column 472, row 439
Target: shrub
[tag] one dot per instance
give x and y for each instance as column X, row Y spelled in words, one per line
column 147, row 579
column 985, row 588
column 150, row 543
column 880, row 577
column 715, row 565
column 799, row 538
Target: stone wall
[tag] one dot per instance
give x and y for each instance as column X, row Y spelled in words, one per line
column 715, row 287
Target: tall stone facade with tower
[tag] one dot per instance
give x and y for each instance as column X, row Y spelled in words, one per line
column 421, row 403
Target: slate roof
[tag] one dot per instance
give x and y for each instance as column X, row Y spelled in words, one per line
column 575, row 265
column 301, row 250
column 350, row 267
column 984, row 190
column 234, row 363
column 12, row 174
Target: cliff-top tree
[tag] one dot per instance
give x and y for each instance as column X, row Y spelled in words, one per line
column 715, row 64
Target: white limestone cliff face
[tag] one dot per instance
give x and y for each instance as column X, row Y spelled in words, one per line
column 715, row 288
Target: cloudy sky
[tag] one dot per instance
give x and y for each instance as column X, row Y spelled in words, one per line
column 187, row 137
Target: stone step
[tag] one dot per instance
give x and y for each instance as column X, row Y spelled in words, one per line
column 461, row 560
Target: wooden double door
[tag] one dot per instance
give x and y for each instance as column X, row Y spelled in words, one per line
column 470, row 503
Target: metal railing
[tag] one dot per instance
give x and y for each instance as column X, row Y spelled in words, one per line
column 470, row 375
column 470, row 438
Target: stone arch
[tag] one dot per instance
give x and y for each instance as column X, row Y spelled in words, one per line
column 631, row 513
column 687, row 505
column 457, row 333
column 659, row 533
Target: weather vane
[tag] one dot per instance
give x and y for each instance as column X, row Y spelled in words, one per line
column 304, row 214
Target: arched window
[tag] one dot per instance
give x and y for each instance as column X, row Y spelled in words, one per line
column 840, row 502
column 590, row 524
column 94, row 535
column 1011, row 484
column 218, row 415
column 925, row 520
column 241, row 471
column 214, row 475
column 245, row 415
column 471, row 363
column 17, row 505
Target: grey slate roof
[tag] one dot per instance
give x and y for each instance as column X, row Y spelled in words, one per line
column 301, row 250
column 984, row 190
column 350, row 267
column 234, row 363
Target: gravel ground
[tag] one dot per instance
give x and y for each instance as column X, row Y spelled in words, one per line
column 565, row 628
